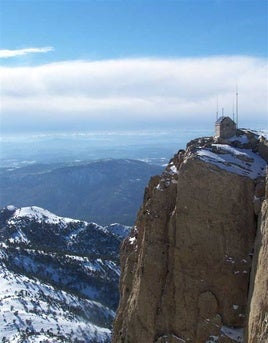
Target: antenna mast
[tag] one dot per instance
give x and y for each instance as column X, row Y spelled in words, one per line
column 217, row 113
column 233, row 109
column 236, row 107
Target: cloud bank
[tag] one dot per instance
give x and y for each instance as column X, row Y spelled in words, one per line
column 20, row 52
column 129, row 91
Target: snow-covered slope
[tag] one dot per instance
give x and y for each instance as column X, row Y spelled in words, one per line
column 119, row 230
column 238, row 154
column 58, row 277
column 234, row 160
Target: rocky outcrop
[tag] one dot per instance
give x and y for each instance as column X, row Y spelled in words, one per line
column 258, row 311
column 186, row 265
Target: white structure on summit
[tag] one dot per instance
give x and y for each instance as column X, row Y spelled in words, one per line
column 225, row 127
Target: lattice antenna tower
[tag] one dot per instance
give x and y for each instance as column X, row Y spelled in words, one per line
column 236, row 107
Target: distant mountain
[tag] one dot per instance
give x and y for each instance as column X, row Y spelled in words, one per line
column 58, row 276
column 104, row 191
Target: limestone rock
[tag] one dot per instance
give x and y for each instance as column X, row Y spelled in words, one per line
column 263, row 148
column 258, row 302
column 186, row 264
column 169, row 338
column 260, row 189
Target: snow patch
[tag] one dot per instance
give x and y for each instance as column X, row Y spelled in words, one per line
column 19, row 237
column 242, row 139
column 213, row 339
column 119, row 230
column 132, row 240
column 229, row 259
column 234, row 160
column 174, row 169
column 11, row 208
column 159, row 188
column 40, row 215
column 235, row 334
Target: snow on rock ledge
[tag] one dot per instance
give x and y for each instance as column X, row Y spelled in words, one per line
column 244, row 154
column 234, row 160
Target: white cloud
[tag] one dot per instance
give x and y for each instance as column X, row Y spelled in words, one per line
column 20, row 52
column 131, row 90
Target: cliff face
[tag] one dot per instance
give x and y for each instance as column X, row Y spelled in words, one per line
column 186, row 265
column 258, row 312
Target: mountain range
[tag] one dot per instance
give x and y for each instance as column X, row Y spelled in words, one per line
column 103, row 191
column 193, row 267
column 58, row 277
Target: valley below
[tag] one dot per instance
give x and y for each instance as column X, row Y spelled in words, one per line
column 102, row 191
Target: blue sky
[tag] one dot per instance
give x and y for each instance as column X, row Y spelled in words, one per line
column 53, row 53
column 91, row 29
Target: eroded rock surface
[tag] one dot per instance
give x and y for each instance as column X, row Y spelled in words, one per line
column 186, row 264
column 258, row 312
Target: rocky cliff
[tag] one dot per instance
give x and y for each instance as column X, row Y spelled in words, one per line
column 258, row 302
column 186, row 265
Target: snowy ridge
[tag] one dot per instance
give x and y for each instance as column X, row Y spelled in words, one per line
column 234, row 160
column 40, row 215
column 228, row 156
column 119, row 230
column 58, row 277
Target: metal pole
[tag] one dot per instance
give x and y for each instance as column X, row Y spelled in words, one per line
column 236, row 107
column 233, row 109
column 217, row 113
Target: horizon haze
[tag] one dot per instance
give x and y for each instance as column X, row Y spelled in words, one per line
column 81, row 66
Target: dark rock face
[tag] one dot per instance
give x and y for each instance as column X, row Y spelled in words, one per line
column 186, row 264
column 258, row 300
